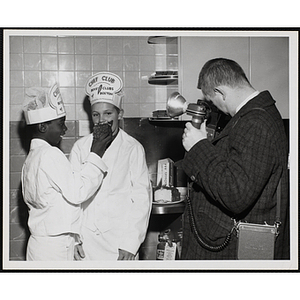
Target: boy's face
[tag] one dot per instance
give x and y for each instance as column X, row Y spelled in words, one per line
column 103, row 111
column 55, row 130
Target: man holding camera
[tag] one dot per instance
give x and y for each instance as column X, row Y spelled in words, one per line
column 235, row 176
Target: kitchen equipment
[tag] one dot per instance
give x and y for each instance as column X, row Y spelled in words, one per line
column 164, row 78
column 166, row 248
column 177, row 105
column 165, row 172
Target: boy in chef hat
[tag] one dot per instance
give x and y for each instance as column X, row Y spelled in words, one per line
column 105, row 87
column 115, row 219
column 41, row 105
column 51, row 189
column 105, row 91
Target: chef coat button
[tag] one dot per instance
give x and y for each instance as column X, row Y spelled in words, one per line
column 193, row 178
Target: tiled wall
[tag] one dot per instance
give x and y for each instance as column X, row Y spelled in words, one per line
column 70, row 60
column 40, row 61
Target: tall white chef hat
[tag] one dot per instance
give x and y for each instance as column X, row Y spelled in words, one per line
column 43, row 105
column 105, row 87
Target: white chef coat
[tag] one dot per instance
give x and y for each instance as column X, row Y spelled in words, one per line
column 117, row 216
column 53, row 191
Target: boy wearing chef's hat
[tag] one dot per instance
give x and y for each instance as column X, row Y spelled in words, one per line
column 105, row 91
column 115, row 220
column 51, row 189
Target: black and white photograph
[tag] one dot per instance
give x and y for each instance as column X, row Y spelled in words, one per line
column 150, row 149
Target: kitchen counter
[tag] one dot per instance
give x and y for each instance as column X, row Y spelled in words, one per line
column 172, row 208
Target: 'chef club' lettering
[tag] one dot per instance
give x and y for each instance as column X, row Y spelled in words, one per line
column 104, row 78
column 108, row 79
column 93, row 81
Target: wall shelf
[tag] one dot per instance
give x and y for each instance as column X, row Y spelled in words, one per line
column 163, row 81
column 164, row 78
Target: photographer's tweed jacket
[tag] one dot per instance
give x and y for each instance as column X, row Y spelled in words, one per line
column 235, row 176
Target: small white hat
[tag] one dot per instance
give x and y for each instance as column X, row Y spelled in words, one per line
column 105, row 87
column 42, row 105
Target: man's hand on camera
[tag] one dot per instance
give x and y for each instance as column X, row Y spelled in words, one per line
column 192, row 135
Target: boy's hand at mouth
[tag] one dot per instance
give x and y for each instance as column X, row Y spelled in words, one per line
column 102, row 137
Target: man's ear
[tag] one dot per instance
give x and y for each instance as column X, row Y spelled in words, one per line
column 43, row 127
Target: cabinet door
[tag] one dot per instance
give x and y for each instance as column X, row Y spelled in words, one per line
column 194, row 52
column 269, row 58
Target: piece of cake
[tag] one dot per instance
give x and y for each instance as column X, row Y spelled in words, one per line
column 166, row 195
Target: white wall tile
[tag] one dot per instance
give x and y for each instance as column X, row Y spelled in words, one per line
column 49, row 44
column 32, row 61
column 131, row 63
column 83, row 62
column 99, row 63
column 70, row 111
column 115, row 63
column 82, row 45
column 130, row 46
column 145, row 48
column 80, row 95
column 49, row 78
column 81, row 113
column 16, row 62
column 49, row 62
column 16, row 44
column 115, row 45
column 32, row 44
column 66, row 78
column 16, row 78
column 68, row 95
column 131, row 79
column 70, row 60
column 82, row 77
column 99, row 45
column 66, row 62
column 16, row 112
column 17, row 96
column 66, row 45
column 32, row 78
column 131, row 110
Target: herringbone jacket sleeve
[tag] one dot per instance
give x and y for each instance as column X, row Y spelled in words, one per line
column 235, row 171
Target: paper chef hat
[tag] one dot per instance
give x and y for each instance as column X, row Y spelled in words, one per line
column 43, row 105
column 105, row 87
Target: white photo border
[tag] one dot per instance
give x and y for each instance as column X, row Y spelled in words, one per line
column 281, row 265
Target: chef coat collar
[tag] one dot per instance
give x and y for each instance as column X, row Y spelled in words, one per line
column 36, row 142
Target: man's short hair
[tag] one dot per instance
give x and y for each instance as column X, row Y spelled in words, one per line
column 221, row 71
